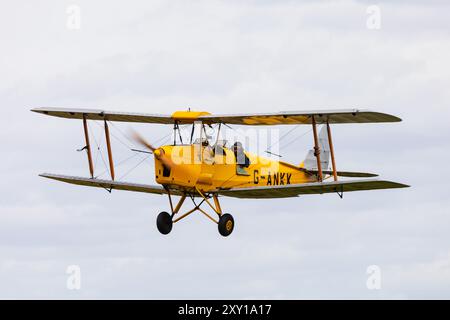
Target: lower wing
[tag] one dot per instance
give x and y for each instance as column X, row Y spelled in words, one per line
column 107, row 184
column 283, row 191
column 294, row 190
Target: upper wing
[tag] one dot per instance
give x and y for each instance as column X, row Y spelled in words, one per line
column 108, row 184
column 302, row 117
column 289, row 117
column 294, row 190
column 92, row 114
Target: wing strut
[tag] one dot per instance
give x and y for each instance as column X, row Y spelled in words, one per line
column 108, row 145
column 317, row 149
column 88, row 146
column 89, row 152
column 330, row 143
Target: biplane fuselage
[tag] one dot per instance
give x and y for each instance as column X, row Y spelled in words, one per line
column 210, row 171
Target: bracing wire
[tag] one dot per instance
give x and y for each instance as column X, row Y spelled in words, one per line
column 283, row 136
column 284, row 145
column 123, row 134
column 114, row 136
column 99, row 151
column 161, row 139
column 125, row 160
column 121, row 162
column 230, row 127
column 138, row 164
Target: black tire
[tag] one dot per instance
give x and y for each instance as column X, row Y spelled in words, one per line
column 226, row 224
column 164, row 222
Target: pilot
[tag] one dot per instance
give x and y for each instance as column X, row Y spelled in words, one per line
column 242, row 161
column 208, row 152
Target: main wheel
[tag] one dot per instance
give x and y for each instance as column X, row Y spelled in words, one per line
column 226, row 224
column 164, row 222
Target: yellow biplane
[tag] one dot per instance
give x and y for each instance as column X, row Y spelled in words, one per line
column 207, row 170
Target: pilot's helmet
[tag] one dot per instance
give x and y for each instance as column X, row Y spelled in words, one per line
column 237, row 145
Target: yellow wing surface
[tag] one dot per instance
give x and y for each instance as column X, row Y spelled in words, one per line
column 276, row 118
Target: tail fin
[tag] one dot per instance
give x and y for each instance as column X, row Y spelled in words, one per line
column 310, row 162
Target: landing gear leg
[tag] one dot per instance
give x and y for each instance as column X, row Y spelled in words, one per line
column 226, row 221
column 164, row 221
column 225, row 224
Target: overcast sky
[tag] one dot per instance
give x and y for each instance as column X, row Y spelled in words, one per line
column 225, row 57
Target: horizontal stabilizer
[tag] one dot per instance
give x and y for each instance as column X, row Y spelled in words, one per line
column 348, row 174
